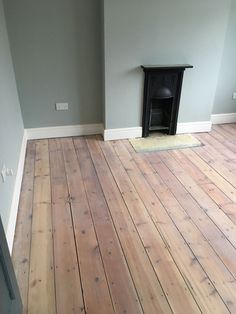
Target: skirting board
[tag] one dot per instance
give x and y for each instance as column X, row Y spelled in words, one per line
column 64, row 131
column 223, row 118
column 194, row 127
column 124, row 133
column 16, row 195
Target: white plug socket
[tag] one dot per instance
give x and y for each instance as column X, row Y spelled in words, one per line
column 4, row 173
column 234, row 96
column 62, row 106
column 9, row 172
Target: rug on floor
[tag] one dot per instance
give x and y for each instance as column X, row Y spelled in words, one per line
column 160, row 142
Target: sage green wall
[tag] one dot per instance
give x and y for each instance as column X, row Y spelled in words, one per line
column 11, row 125
column 159, row 32
column 103, row 60
column 57, row 58
column 227, row 77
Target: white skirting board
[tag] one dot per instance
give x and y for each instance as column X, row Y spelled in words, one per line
column 122, row 133
column 125, row 133
column 64, row 131
column 16, row 195
column 194, row 127
column 223, row 118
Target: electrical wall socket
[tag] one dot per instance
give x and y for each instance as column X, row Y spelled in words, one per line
column 234, row 96
column 9, row 172
column 62, row 106
column 6, row 172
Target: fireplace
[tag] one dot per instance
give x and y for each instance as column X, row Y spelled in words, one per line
column 162, row 91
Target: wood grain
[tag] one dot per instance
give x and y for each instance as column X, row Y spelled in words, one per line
column 67, row 277
column 95, row 287
column 102, row 229
column 170, row 278
column 123, row 292
column 41, row 279
column 214, row 236
column 150, row 292
column 22, row 240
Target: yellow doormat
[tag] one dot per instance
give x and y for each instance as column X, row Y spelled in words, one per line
column 159, row 142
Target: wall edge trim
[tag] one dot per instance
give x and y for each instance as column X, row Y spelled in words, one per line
column 125, row 133
column 122, row 133
column 194, row 127
column 10, row 233
column 223, row 118
column 64, row 131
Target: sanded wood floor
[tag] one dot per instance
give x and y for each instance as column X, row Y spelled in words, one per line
column 102, row 229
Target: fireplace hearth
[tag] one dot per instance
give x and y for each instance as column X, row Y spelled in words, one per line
column 162, row 91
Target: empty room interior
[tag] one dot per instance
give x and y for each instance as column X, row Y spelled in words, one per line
column 117, row 156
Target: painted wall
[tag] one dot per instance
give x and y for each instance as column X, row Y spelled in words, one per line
column 162, row 32
column 227, row 77
column 11, row 125
column 57, row 58
column 102, row 60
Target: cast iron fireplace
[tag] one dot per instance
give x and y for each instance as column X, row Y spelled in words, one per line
column 162, row 91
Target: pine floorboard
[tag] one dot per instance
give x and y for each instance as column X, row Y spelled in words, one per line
column 102, row 229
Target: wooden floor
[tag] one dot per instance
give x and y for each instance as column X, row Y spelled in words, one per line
column 102, row 229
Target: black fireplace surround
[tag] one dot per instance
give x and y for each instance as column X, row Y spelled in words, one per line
column 162, row 91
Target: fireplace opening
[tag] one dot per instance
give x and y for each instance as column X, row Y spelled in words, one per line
column 160, row 111
column 162, row 91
